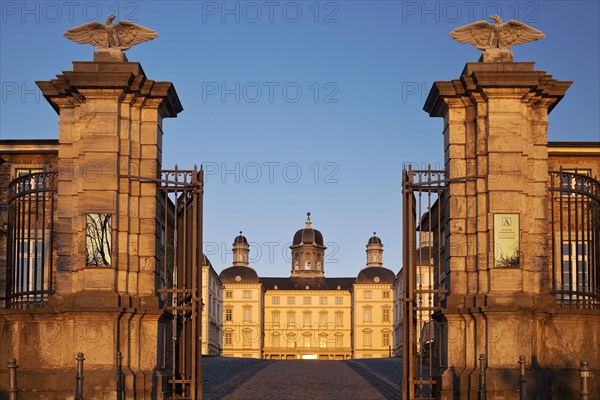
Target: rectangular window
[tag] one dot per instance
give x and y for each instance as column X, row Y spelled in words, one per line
column 307, row 319
column 386, row 294
column 98, row 240
column 247, row 337
column 367, row 317
column 339, row 301
column 34, row 182
column 323, row 319
column 575, row 268
column 385, row 339
column 247, row 314
column 386, row 315
column 275, row 300
column 574, row 182
column 228, row 338
column 275, row 340
column 291, row 340
column 228, row 294
column 30, row 265
column 338, row 340
column 291, row 300
column 306, row 340
column 228, row 314
column 339, row 320
column 247, row 294
column 322, row 341
column 291, row 318
column 367, row 294
column 307, row 300
column 275, row 318
column 323, row 300
column 367, row 339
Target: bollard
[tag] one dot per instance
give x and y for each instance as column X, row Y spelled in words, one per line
column 522, row 380
column 482, row 388
column 13, row 389
column 120, row 387
column 584, row 370
column 79, row 377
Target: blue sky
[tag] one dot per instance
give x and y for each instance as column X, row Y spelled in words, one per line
column 297, row 106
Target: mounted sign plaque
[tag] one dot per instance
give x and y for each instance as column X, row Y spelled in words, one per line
column 506, row 240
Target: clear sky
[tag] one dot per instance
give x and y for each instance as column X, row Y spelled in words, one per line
column 296, row 106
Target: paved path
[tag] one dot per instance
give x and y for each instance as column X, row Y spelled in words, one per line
column 306, row 379
column 248, row 379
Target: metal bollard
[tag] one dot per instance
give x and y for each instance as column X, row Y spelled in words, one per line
column 13, row 389
column 120, row 388
column 584, row 370
column 522, row 380
column 79, row 377
column 482, row 368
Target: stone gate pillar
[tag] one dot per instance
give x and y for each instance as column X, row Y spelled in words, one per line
column 104, row 300
column 496, row 244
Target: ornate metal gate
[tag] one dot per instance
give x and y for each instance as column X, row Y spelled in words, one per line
column 423, row 276
column 179, row 218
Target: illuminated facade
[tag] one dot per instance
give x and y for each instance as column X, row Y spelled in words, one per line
column 307, row 315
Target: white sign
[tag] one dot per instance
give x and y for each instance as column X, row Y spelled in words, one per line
column 506, row 240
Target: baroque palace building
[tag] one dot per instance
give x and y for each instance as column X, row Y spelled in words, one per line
column 307, row 315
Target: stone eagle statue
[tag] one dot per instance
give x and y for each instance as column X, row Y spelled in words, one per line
column 499, row 35
column 109, row 36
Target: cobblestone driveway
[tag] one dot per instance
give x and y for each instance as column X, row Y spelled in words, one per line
column 239, row 379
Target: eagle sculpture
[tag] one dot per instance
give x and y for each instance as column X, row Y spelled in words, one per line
column 120, row 36
column 499, row 35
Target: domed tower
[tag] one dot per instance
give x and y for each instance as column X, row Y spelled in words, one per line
column 240, row 251
column 374, row 252
column 308, row 252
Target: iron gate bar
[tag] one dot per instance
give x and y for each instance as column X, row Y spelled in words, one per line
column 30, row 214
column 574, row 206
column 180, row 222
column 422, row 198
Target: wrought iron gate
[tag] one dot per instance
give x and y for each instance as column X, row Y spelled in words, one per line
column 423, row 275
column 180, row 286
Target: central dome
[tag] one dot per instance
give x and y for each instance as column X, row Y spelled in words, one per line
column 308, row 235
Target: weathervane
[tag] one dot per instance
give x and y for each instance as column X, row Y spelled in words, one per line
column 109, row 37
column 495, row 39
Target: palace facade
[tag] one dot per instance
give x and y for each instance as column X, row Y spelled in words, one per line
column 307, row 315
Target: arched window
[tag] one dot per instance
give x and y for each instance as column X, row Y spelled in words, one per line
column 323, row 340
column 297, row 264
column 291, row 340
column 318, row 265
column 307, row 265
column 275, row 340
column 307, row 339
column 367, row 338
column 339, row 339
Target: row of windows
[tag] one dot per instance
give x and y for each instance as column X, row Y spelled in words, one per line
column 307, row 318
column 368, row 314
column 247, row 314
column 368, row 294
column 307, row 340
column 247, row 294
column 291, row 340
column 306, row 265
column 323, row 300
column 368, row 339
